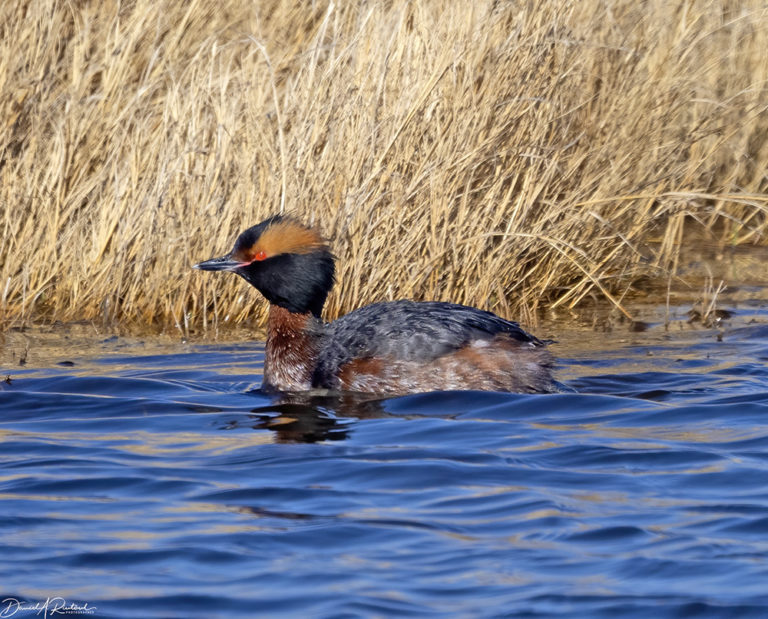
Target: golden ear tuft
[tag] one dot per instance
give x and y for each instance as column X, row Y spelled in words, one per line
column 287, row 237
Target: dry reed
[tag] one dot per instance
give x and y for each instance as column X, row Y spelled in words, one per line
column 507, row 154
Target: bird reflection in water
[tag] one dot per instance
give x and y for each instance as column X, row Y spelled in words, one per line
column 310, row 417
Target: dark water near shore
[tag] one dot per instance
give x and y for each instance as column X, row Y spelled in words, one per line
column 145, row 479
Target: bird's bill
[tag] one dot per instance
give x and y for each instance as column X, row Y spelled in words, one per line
column 225, row 263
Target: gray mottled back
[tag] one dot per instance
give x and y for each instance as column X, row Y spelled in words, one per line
column 407, row 331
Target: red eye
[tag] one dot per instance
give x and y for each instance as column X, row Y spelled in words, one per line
column 260, row 255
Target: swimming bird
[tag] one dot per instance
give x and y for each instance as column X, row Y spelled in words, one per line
column 393, row 347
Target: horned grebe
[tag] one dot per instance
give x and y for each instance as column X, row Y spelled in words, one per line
column 394, row 347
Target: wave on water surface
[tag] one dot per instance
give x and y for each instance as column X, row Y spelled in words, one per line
column 162, row 483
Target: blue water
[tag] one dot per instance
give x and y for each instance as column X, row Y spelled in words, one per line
column 148, row 480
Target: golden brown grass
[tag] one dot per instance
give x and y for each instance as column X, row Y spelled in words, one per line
column 507, row 154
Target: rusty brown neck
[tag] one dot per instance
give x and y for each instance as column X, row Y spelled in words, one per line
column 291, row 350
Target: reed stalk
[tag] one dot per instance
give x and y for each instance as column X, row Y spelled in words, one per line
column 512, row 155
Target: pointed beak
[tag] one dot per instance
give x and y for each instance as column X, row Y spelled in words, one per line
column 225, row 263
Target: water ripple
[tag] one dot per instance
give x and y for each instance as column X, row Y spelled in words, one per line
column 164, row 485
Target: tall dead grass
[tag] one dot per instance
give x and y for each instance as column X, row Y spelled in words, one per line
column 506, row 154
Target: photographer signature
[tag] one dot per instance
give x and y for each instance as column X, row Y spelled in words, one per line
column 52, row 606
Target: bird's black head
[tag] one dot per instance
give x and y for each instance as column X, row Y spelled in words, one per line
column 289, row 263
